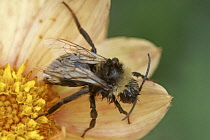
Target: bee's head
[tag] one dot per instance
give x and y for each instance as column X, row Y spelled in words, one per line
column 130, row 93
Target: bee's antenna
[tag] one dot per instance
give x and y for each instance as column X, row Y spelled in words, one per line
column 144, row 79
column 81, row 30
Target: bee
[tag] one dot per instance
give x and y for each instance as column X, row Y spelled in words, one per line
column 96, row 75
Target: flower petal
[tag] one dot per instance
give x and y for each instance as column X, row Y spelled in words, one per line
column 153, row 103
column 16, row 19
column 58, row 23
column 59, row 136
column 51, row 19
column 131, row 51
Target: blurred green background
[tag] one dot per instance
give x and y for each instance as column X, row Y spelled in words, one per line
column 182, row 29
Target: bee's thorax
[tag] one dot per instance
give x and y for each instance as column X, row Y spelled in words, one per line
column 115, row 74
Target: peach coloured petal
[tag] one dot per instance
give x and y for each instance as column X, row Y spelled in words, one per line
column 64, row 27
column 16, row 18
column 131, row 51
column 64, row 89
column 59, row 136
column 48, row 19
column 153, row 103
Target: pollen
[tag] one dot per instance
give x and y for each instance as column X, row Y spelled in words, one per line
column 21, row 100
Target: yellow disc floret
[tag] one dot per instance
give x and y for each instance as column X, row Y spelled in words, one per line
column 21, row 100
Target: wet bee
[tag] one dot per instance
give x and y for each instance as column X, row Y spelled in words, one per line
column 96, row 74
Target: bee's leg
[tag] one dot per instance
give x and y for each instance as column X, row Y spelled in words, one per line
column 144, row 77
column 121, row 110
column 93, row 114
column 137, row 74
column 64, row 101
column 134, row 104
column 81, row 30
column 146, row 74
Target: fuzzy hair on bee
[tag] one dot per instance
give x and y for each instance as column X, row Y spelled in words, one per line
column 77, row 66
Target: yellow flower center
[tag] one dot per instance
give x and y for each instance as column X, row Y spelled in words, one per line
column 21, row 100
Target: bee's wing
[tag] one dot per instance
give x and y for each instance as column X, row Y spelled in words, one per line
column 72, row 68
column 67, row 73
column 61, row 47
